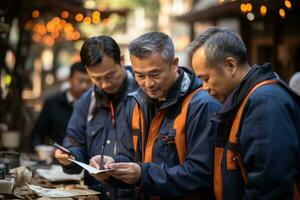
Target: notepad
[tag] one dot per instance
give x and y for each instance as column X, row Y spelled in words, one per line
column 90, row 169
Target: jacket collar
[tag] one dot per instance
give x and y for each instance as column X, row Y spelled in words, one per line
column 255, row 75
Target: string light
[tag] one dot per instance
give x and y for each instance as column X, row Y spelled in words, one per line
column 263, row 10
column 288, row 4
column 79, row 17
column 64, row 14
column 35, row 14
column 281, row 12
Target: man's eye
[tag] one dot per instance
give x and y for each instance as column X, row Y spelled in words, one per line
column 154, row 75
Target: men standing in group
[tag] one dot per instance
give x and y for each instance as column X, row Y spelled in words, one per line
column 257, row 145
column 98, row 120
column 175, row 141
column 52, row 126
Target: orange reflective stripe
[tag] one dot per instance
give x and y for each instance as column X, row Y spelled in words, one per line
column 232, row 157
column 135, row 125
column 135, row 139
column 218, row 172
column 153, row 132
column 180, row 127
column 135, row 117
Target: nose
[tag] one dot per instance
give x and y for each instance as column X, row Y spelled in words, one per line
column 105, row 85
column 148, row 82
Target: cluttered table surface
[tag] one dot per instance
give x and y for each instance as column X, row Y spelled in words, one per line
column 24, row 177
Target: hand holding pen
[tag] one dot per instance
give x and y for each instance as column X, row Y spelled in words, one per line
column 103, row 160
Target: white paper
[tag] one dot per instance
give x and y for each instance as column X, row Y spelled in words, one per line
column 56, row 174
column 59, row 193
column 90, row 169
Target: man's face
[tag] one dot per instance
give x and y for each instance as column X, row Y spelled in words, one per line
column 154, row 75
column 108, row 75
column 79, row 82
column 217, row 80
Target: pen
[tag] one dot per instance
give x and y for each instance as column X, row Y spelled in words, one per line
column 101, row 158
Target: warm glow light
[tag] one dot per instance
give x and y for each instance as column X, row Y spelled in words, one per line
column 249, row 7
column 76, row 35
column 48, row 40
column 282, row 13
column 106, row 22
column 96, row 14
column 221, row 1
column 41, row 29
column 64, row 14
column 37, row 38
column 288, row 4
column 243, row 8
column 96, row 20
column 87, row 20
column 79, row 17
column 68, row 28
column 263, row 10
column 35, row 14
column 102, row 6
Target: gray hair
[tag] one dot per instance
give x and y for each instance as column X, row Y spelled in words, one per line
column 295, row 82
column 219, row 44
column 153, row 42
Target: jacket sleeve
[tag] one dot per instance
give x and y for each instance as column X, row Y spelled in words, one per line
column 196, row 171
column 269, row 148
column 75, row 138
column 125, row 151
column 42, row 125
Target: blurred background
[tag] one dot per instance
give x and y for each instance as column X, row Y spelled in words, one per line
column 40, row 39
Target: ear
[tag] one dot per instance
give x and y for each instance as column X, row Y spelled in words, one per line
column 122, row 60
column 230, row 66
column 175, row 64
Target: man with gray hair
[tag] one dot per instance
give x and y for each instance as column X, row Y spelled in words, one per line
column 295, row 82
column 257, row 145
column 173, row 136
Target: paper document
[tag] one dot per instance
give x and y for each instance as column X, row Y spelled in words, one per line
column 61, row 193
column 55, row 173
column 90, row 169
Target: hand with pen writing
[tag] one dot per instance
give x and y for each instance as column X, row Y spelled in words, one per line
column 101, row 162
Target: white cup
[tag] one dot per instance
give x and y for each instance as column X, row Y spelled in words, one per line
column 45, row 152
column 10, row 139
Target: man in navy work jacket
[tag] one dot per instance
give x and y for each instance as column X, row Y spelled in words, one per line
column 257, row 146
column 97, row 122
column 176, row 140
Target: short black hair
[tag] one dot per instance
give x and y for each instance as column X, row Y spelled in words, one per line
column 218, row 44
column 95, row 48
column 79, row 67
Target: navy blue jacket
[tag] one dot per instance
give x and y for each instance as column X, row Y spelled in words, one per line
column 91, row 127
column 165, row 177
column 268, row 138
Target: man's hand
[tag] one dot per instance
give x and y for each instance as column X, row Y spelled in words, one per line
column 63, row 157
column 128, row 172
column 95, row 162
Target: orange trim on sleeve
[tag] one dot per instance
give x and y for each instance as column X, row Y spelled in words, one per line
column 180, row 126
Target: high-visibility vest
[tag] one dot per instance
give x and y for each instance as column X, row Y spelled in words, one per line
column 179, row 125
column 233, row 157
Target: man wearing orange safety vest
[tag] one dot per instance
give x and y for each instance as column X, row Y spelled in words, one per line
column 172, row 135
column 257, row 145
